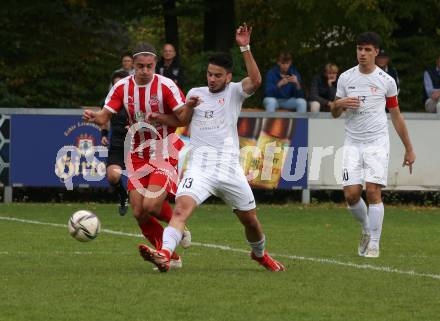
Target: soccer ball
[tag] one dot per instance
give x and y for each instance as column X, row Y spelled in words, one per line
column 84, row 226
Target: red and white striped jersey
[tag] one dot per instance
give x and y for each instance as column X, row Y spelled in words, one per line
column 160, row 95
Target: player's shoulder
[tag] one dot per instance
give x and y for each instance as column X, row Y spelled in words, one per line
column 384, row 76
column 198, row 91
column 167, row 82
column 121, row 82
column 349, row 72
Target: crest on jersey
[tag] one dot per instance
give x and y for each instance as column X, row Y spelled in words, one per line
column 373, row 89
column 154, row 100
column 85, row 143
column 221, row 101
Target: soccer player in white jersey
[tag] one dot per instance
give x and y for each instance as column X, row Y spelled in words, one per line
column 151, row 163
column 362, row 93
column 214, row 167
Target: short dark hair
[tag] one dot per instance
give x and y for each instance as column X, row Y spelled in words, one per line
column 369, row 38
column 119, row 74
column 284, row 57
column 144, row 47
column 126, row 54
column 222, row 59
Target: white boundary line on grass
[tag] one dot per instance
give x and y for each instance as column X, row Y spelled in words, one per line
column 230, row 249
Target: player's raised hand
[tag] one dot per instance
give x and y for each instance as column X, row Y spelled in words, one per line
column 243, row 35
column 89, row 116
column 193, row 101
column 409, row 159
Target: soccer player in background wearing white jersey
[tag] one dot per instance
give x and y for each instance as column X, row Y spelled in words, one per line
column 362, row 93
column 214, row 167
column 152, row 157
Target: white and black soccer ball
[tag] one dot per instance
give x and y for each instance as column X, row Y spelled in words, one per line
column 84, row 226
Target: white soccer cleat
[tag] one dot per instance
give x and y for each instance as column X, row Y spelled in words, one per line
column 363, row 244
column 186, row 238
column 372, row 252
column 175, row 263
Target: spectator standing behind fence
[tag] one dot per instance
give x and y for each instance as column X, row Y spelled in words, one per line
column 431, row 82
column 323, row 89
column 283, row 88
column 169, row 65
column 383, row 60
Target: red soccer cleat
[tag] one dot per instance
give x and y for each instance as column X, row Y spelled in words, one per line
column 160, row 258
column 268, row 263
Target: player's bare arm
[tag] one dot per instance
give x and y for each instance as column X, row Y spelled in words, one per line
column 184, row 114
column 402, row 131
column 100, row 118
column 342, row 104
column 253, row 81
column 165, row 119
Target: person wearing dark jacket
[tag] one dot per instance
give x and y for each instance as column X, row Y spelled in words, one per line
column 169, row 65
column 283, row 88
column 383, row 61
column 323, row 89
column 431, row 82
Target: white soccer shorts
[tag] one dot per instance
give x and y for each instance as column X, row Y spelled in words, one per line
column 365, row 162
column 229, row 184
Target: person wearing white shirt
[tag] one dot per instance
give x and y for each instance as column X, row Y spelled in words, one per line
column 362, row 94
column 214, row 167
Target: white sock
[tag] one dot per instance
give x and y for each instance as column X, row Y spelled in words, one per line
column 171, row 238
column 258, row 247
column 375, row 212
column 360, row 213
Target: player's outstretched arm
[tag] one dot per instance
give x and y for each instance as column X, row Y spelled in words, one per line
column 253, row 81
column 100, row 118
column 402, row 131
column 184, row 114
column 165, row 119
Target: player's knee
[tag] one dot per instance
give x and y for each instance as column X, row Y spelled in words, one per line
column 181, row 213
column 137, row 211
column 113, row 178
column 373, row 195
column 352, row 198
column 152, row 207
column 249, row 220
column 112, row 175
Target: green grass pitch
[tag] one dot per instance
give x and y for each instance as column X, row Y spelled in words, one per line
column 47, row 275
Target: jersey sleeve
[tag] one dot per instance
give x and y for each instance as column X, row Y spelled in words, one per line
column 173, row 97
column 115, row 100
column 391, row 94
column 238, row 86
column 391, row 88
column 340, row 89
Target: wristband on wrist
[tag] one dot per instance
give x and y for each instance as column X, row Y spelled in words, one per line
column 104, row 132
column 245, row 48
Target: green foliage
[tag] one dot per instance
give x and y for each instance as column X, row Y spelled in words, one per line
column 56, row 54
column 317, row 32
column 61, row 53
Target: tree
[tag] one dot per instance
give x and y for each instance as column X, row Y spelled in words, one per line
column 219, row 25
column 56, row 54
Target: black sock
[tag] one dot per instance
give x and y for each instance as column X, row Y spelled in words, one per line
column 119, row 188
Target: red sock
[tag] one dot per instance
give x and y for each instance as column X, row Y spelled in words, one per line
column 152, row 230
column 166, row 212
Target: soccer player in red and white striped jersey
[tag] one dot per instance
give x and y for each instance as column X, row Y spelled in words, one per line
column 152, row 147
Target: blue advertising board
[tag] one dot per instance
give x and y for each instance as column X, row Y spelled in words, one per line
column 53, row 150
column 56, row 150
